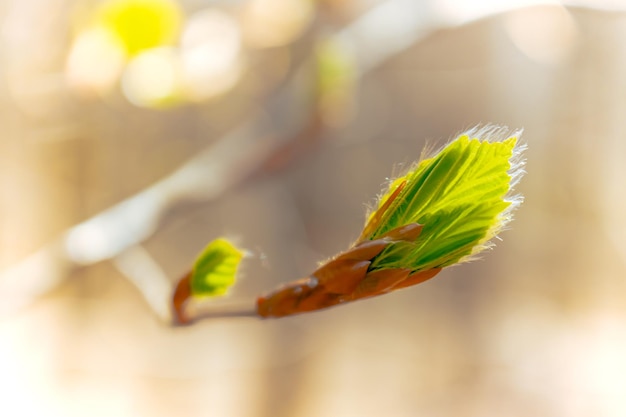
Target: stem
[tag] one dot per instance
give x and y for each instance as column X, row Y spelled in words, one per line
column 231, row 310
column 181, row 304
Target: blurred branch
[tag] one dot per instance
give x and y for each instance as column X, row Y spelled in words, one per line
column 155, row 286
column 232, row 159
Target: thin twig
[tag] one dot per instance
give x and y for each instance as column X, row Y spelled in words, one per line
column 206, row 311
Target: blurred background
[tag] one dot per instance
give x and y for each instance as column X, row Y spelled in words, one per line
column 134, row 132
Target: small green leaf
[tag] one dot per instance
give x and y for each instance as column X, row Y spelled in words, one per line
column 215, row 269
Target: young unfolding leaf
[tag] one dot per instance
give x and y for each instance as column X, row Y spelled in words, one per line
column 215, row 269
column 459, row 195
column 443, row 211
column 213, row 273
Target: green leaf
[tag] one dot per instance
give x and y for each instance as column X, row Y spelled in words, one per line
column 462, row 196
column 215, row 269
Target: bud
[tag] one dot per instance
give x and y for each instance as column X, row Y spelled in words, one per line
column 446, row 209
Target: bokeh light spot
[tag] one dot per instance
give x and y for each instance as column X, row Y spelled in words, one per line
column 269, row 23
column 95, row 61
column 153, row 78
column 141, row 24
column 210, row 54
column 545, row 35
